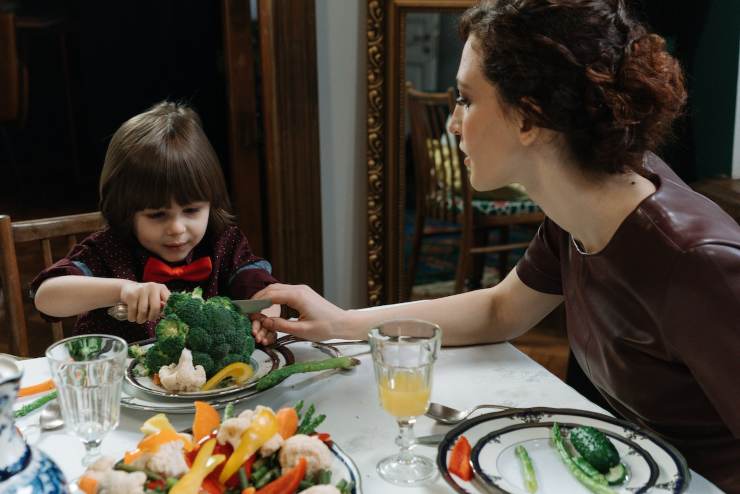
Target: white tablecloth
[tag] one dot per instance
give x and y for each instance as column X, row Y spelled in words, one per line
column 463, row 377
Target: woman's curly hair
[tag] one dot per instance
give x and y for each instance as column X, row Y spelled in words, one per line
column 585, row 68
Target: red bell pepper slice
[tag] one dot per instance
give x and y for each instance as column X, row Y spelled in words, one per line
column 288, row 483
column 459, row 462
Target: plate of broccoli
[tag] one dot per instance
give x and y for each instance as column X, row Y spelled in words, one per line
column 197, row 338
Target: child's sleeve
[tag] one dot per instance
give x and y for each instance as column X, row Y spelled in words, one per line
column 82, row 260
column 249, row 273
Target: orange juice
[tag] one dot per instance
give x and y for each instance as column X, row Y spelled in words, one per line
column 404, row 393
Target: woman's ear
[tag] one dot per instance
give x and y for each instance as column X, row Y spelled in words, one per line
column 528, row 131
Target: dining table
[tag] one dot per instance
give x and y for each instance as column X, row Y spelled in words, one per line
column 462, row 377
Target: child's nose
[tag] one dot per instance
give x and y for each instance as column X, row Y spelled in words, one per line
column 175, row 227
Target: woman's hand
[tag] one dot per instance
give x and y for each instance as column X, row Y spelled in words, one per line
column 144, row 300
column 319, row 319
column 262, row 335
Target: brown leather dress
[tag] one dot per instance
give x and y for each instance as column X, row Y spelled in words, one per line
column 654, row 319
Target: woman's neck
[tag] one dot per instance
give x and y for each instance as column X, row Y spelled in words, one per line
column 590, row 209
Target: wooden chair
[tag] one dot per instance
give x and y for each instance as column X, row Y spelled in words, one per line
column 443, row 192
column 43, row 231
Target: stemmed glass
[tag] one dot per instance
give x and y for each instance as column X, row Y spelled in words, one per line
column 88, row 372
column 404, row 352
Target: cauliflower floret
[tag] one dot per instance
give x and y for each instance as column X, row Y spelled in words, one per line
column 317, row 454
column 231, row 430
column 169, row 460
column 183, row 376
column 115, row 481
column 321, row 489
column 273, row 444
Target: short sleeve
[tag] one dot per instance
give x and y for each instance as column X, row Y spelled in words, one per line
column 246, row 273
column 702, row 324
column 540, row 267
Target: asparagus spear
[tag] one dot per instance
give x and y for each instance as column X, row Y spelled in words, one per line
column 275, row 377
column 530, row 480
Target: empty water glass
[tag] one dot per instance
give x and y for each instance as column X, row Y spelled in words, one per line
column 88, row 372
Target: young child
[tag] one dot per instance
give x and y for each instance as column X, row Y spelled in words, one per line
column 169, row 229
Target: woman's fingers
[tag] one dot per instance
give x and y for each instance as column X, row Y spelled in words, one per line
column 304, row 329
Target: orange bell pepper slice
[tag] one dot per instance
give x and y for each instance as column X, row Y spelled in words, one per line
column 287, row 483
column 287, row 419
column 460, row 459
column 206, row 420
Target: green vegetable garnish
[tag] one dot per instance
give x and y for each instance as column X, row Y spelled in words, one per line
column 276, row 376
column 530, row 480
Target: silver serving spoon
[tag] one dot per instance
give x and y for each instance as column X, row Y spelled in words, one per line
column 51, row 417
column 448, row 415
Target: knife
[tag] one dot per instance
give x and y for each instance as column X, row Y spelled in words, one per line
column 431, row 440
column 120, row 310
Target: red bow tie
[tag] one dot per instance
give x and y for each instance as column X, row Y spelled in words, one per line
column 160, row 272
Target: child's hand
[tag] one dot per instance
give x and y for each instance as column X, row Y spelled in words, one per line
column 144, row 300
column 261, row 335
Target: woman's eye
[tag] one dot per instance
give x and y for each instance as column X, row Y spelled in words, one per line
column 192, row 210
column 156, row 215
column 462, row 101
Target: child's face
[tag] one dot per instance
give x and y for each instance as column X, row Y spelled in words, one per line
column 172, row 232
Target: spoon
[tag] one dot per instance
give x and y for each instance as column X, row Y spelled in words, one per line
column 447, row 415
column 51, row 417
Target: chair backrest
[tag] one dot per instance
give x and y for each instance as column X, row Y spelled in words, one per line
column 13, row 75
column 42, row 231
column 438, row 162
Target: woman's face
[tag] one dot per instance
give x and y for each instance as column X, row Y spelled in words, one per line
column 489, row 138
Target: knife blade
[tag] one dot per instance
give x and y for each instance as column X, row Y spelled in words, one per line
column 252, row 306
column 431, row 440
column 120, row 310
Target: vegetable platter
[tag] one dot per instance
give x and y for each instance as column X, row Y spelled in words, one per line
column 534, row 450
column 259, row 451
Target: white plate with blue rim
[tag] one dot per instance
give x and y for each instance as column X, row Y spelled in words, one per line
column 653, row 465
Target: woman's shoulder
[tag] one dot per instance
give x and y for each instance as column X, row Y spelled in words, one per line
column 684, row 217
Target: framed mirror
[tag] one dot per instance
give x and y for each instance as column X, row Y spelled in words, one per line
column 407, row 40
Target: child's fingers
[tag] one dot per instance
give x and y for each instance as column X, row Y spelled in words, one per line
column 155, row 305
column 143, row 312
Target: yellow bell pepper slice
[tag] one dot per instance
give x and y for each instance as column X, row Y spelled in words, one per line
column 264, row 425
column 239, row 371
column 203, row 465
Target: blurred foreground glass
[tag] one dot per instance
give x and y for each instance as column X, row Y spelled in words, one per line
column 88, row 372
column 404, row 352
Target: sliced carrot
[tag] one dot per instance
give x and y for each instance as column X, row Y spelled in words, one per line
column 287, row 419
column 36, row 388
column 287, row 483
column 249, row 490
column 460, row 459
column 88, row 485
column 206, row 420
column 155, row 379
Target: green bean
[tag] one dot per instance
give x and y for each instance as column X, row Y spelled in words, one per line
column 579, row 474
column 276, row 376
column 243, row 482
column 265, row 479
column 324, row 477
column 530, row 480
column 259, row 473
column 35, row 405
column 229, row 411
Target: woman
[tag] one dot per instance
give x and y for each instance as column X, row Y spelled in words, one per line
column 569, row 98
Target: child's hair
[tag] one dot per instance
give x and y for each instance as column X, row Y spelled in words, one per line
column 155, row 157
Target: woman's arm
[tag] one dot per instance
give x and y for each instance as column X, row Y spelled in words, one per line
column 65, row 296
column 499, row 313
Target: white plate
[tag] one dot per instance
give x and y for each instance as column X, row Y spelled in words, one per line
column 654, row 464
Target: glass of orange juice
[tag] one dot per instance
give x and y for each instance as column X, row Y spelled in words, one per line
column 404, row 352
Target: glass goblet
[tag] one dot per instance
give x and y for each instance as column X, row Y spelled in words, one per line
column 88, row 373
column 404, row 352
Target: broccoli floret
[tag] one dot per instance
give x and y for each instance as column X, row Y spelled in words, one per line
column 156, row 358
column 218, row 318
column 136, row 352
column 171, row 327
column 198, row 339
column 191, row 312
column 141, row 369
column 175, row 300
column 202, row 358
column 224, row 302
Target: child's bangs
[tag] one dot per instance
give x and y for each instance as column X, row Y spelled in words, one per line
column 182, row 179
